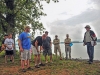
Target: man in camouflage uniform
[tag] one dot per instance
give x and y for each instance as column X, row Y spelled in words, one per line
column 67, row 42
column 56, row 43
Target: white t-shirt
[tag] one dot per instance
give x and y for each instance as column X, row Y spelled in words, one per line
column 9, row 43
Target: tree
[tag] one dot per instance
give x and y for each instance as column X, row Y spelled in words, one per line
column 15, row 14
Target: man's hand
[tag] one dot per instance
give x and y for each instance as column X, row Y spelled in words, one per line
column 37, row 50
column 21, row 49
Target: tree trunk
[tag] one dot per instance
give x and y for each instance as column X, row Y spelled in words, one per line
column 10, row 19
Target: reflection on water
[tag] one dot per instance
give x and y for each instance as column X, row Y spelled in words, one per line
column 80, row 51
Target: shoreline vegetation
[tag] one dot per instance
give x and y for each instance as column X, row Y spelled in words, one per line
column 75, row 66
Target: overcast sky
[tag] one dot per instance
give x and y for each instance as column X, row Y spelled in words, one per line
column 70, row 17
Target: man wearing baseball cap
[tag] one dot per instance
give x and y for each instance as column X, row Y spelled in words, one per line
column 25, row 46
column 90, row 40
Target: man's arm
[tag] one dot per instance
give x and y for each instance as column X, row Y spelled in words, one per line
column 13, row 43
column 20, row 45
column 53, row 42
column 36, row 45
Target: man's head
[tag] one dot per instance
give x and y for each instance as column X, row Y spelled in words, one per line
column 27, row 28
column 87, row 27
column 5, row 36
column 9, row 35
column 67, row 35
column 56, row 36
column 46, row 33
column 44, row 36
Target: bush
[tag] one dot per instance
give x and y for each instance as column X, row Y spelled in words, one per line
column 2, row 54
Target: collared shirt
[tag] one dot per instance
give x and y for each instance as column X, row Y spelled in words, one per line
column 67, row 41
column 56, row 41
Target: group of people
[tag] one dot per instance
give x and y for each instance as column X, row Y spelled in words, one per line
column 40, row 44
column 43, row 43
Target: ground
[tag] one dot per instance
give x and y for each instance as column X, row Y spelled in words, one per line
column 58, row 67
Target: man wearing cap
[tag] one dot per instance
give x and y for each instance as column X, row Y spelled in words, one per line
column 25, row 46
column 90, row 40
column 67, row 42
column 56, row 43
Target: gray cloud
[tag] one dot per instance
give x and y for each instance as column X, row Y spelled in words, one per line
column 74, row 25
column 88, row 16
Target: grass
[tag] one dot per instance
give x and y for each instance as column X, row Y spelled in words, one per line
column 58, row 67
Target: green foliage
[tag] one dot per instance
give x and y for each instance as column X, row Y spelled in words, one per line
column 15, row 14
column 2, row 54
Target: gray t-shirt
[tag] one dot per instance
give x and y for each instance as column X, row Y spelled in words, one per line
column 46, row 43
column 9, row 43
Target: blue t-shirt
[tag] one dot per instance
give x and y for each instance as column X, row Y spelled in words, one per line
column 25, row 40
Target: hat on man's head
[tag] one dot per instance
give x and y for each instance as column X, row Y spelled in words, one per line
column 87, row 26
column 26, row 27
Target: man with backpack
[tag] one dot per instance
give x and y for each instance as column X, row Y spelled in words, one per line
column 90, row 40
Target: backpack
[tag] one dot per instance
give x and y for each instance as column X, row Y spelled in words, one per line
column 93, row 36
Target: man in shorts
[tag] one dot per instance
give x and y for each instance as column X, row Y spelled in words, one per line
column 9, row 44
column 47, row 47
column 37, row 42
column 25, row 46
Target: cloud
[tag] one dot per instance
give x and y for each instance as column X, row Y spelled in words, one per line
column 85, row 17
column 74, row 26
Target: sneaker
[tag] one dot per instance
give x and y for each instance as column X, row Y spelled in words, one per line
column 11, row 60
column 51, row 61
column 37, row 66
column 41, row 64
column 90, row 62
column 46, row 62
column 29, row 68
column 23, row 70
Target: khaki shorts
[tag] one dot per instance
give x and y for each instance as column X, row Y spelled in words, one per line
column 34, row 51
column 56, row 48
column 26, row 55
column 47, row 52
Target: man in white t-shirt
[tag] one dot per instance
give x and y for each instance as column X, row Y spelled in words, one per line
column 9, row 43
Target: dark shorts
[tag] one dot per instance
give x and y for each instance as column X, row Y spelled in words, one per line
column 9, row 52
column 47, row 52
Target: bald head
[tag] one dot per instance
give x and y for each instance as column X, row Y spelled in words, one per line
column 44, row 36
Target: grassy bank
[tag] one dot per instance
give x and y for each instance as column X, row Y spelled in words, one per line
column 58, row 67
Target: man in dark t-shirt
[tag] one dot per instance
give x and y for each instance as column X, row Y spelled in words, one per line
column 37, row 42
column 47, row 47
